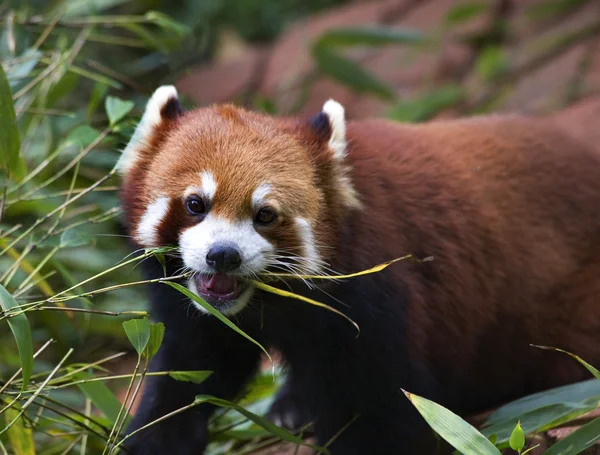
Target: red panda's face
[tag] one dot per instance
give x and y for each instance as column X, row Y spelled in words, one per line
column 239, row 193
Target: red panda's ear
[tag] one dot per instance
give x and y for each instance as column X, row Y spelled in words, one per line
column 162, row 107
column 330, row 125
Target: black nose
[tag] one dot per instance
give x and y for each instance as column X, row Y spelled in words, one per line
column 223, row 258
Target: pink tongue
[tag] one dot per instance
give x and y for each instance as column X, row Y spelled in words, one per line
column 220, row 283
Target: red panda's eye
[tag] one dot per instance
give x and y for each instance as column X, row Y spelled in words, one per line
column 195, row 205
column 265, row 216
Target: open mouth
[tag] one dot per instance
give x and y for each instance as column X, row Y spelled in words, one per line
column 219, row 287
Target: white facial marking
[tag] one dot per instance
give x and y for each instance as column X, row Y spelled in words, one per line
column 154, row 215
column 307, row 237
column 149, row 121
column 209, row 184
column 207, row 188
column 260, row 194
column 337, row 121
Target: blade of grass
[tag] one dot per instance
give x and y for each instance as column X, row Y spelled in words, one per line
column 377, row 268
column 38, row 391
column 281, row 292
column 219, row 316
column 589, row 367
column 458, row 433
column 19, row 325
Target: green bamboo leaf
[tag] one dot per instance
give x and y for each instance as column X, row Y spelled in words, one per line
column 197, row 377
column 83, row 136
column 19, row 325
column 167, row 23
column 571, row 395
column 369, row 36
column 10, row 141
column 464, row 12
column 100, row 395
column 138, row 332
column 18, row 72
column 117, row 109
column 517, row 438
column 492, row 63
column 350, row 73
column 589, row 367
column 157, row 333
column 428, row 105
column 72, row 238
column 540, row 419
column 579, row 440
column 258, row 420
column 458, row 433
column 216, row 314
column 20, row 437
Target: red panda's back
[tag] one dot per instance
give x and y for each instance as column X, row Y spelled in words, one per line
column 509, row 209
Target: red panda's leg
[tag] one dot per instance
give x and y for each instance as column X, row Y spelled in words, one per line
column 204, row 344
column 289, row 408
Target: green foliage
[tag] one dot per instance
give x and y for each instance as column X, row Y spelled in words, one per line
column 517, row 438
column 460, row 434
column 509, row 425
column 221, row 317
column 10, row 159
column 19, row 325
column 73, row 80
column 117, row 109
column 466, row 11
column 426, row 106
column 332, row 63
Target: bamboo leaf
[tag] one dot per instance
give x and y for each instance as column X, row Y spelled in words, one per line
column 589, row 367
column 10, row 141
column 579, row 440
column 540, row 419
column 369, row 36
column 258, row 420
column 281, row 292
column 19, row 325
column 197, row 377
column 72, row 238
column 117, row 109
column 167, row 23
column 157, row 333
column 464, row 12
column 517, row 438
column 377, row 268
column 100, row 395
column 216, row 314
column 19, row 436
column 458, row 433
column 350, row 73
column 571, row 395
column 138, row 332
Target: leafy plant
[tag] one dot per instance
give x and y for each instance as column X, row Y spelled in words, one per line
column 509, row 425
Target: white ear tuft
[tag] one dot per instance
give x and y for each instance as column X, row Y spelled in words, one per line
column 337, row 122
column 153, row 116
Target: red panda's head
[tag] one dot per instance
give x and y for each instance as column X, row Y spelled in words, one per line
column 239, row 193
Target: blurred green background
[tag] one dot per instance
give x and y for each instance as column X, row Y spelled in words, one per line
column 79, row 73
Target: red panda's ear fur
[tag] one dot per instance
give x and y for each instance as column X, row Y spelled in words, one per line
column 329, row 126
column 328, row 129
column 337, row 123
column 162, row 108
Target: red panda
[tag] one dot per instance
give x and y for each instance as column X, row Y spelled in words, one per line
column 508, row 207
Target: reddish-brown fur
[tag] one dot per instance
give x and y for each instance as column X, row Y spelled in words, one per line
column 509, row 209
column 507, row 206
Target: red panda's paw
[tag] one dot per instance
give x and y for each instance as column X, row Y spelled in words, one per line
column 288, row 410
